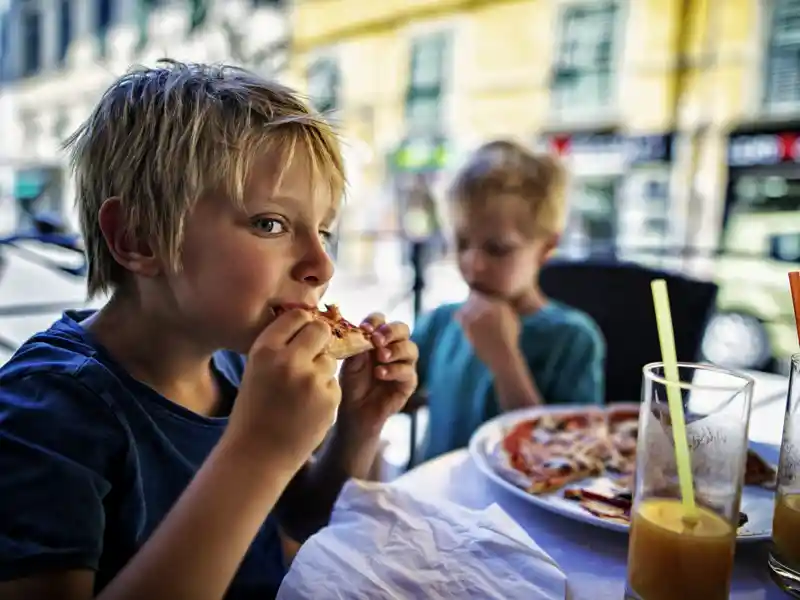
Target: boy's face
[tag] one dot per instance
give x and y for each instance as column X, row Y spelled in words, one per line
column 237, row 264
column 494, row 256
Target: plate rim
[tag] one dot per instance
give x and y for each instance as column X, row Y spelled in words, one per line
column 502, row 421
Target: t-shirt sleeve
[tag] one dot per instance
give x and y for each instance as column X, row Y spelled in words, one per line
column 424, row 336
column 580, row 375
column 57, row 440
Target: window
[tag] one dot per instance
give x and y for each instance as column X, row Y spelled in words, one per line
column 323, row 84
column 583, row 74
column 103, row 20
column 31, row 41
column 64, row 29
column 104, row 14
column 4, row 30
column 430, row 65
column 766, row 194
column 592, row 219
column 783, row 56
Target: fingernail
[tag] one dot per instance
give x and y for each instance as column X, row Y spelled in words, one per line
column 382, row 372
column 366, row 326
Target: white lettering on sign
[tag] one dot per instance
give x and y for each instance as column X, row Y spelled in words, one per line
column 754, row 150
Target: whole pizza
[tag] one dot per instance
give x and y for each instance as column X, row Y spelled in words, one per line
column 589, row 457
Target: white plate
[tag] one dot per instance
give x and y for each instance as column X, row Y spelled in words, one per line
column 757, row 503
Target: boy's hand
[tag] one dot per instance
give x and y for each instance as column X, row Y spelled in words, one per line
column 492, row 327
column 289, row 395
column 377, row 384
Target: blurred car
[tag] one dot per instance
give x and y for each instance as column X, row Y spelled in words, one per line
column 754, row 327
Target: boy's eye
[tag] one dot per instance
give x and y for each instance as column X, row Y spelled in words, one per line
column 328, row 240
column 269, row 225
column 498, row 250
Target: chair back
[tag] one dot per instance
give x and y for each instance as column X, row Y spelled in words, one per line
column 618, row 297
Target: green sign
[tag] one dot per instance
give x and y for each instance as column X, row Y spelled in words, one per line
column 421, row 155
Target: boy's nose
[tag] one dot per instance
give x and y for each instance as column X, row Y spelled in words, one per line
column 316, row 267
column 473, row 262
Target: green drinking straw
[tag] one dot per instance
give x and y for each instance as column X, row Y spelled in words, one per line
column 669, row 357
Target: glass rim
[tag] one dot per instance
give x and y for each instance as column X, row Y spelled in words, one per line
column 745, row 380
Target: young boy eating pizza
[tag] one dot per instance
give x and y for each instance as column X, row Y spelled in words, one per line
column 507, row 346
column 141, row 457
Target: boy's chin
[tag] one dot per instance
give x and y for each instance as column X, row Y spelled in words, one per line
column 489, row 292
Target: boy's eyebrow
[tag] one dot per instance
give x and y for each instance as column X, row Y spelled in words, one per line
column 330, row 216
column 282, row 200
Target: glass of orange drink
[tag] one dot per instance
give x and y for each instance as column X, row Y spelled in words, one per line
column 784, row 556
column 676, row 550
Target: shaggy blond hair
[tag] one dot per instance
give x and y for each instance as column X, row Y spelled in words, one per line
column 161, row 137
column 504, row 169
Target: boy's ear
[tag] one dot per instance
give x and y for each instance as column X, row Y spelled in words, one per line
column 549, row 247
column 135, row 255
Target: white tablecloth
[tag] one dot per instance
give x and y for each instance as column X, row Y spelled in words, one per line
column 595, row 559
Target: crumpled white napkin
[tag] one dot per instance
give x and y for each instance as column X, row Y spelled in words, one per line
column 384, row 543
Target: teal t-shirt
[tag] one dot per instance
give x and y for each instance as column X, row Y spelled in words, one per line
column 564, row 349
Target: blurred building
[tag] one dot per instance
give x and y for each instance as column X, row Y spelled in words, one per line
column 679, row 120
column 637, row 96
column 58, row 56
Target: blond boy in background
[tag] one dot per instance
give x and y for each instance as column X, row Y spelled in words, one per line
column 507, row 346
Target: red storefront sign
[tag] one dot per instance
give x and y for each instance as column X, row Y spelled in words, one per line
column 763, row 149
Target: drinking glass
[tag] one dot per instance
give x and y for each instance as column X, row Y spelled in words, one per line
column 784, row 556
column 669, row 555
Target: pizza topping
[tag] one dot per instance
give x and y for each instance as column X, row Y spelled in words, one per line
column 606, row 511
column 331, row 315
column 759, row 472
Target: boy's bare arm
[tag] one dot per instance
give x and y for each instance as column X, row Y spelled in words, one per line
column 196, row 551
column 306, row 506
column 514, row 384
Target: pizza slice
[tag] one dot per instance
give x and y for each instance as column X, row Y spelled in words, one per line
column 759, row 472
column 347, row 339
column 564, row 469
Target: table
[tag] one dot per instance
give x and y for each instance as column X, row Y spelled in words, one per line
column 595, row 559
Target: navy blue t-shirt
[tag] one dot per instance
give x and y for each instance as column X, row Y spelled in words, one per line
column 91, row 460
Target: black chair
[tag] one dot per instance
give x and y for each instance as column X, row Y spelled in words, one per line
column 618, row 297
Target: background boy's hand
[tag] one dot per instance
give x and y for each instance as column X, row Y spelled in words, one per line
column 492, row 327
column 377, row 384
column 289, row 394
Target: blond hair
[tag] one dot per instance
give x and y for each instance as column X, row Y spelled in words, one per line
column 504, row 169
column 161, row 137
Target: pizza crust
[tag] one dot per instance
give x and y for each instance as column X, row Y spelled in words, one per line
column 351, row 344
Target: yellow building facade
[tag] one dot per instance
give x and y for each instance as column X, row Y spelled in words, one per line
column 639, row 96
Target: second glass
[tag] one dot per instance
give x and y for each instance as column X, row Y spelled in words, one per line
column 669, row 555
column 784, row 556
